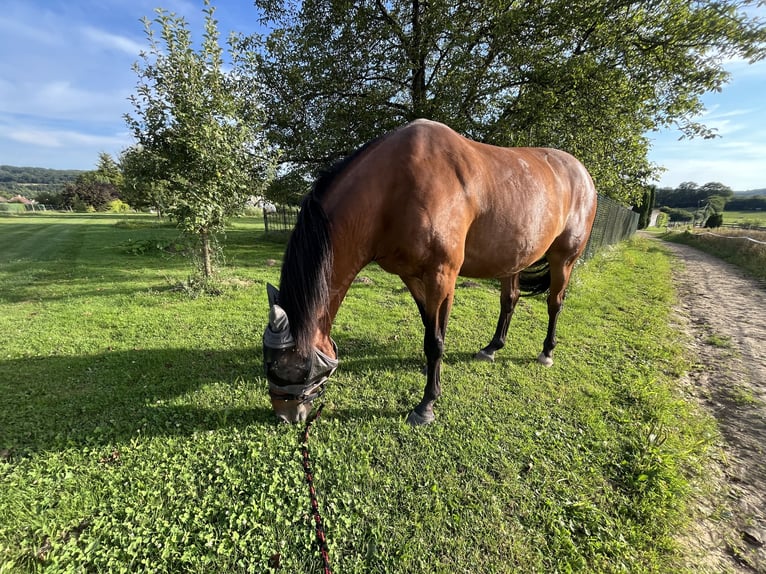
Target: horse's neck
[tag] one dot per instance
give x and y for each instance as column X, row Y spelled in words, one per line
column 351, row 252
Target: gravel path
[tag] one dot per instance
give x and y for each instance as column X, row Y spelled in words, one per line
column 724, row 313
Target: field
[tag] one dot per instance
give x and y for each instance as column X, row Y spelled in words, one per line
column 136, row 434
column 745, row 217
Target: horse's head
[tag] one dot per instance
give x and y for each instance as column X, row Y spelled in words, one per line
column 294, row 380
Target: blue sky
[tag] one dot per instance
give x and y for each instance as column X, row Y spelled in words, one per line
column 65, row 76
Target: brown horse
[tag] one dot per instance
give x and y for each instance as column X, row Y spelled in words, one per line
column 428, row 205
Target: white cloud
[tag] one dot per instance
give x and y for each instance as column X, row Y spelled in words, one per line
column 63, row 100
column 113, row 41
column 65, row 138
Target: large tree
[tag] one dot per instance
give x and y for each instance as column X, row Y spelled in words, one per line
column 198, row 132
column 590, row 77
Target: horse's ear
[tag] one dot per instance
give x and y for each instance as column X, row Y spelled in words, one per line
column 278, row 321
column 273, row 294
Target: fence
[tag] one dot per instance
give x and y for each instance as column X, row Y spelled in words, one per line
column 749, row 226
column 282, row 218
column 614, row 222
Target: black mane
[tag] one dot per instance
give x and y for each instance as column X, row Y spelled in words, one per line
column 304, row 285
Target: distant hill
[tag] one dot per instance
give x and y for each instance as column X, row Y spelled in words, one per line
column 32, row 181
column 13, row 174
column 761, row 191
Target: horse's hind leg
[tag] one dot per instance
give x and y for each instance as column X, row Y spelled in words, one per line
column 560, row 273
column 509, row 296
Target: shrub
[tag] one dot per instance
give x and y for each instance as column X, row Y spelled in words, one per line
column 117, row 206
column 678, row 214
column 715, row 220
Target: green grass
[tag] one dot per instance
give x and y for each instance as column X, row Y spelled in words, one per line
column 745, row 217
column 136, row 434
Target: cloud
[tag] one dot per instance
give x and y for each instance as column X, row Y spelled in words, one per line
column 66, row 138
column 113, row 41
column 63, row 100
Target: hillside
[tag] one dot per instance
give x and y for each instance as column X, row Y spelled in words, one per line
column 32, row 181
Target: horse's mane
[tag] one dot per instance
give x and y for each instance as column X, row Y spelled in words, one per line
column 304, row 285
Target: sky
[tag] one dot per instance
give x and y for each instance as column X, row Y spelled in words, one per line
column 66, row 74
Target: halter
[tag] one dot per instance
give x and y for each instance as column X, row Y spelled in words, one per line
column 318, row 367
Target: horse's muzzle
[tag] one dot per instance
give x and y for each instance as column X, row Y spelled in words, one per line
column 291, row 412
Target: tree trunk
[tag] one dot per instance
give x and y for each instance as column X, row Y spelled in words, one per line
column 207, row 267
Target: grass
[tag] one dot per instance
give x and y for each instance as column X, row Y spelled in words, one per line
column 745, row 217
column 729, row 245
column 136, row 434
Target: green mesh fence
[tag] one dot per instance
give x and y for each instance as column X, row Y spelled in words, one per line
column 614, row 222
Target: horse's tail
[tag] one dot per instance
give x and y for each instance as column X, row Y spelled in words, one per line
column 536, row 278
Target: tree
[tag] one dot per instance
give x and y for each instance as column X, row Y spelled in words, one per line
column 139, row 188
column 644, row 207
column 716, row 203
column 714, row 188
column 590, row 77
column 198, row 133
column 87, row 194
column 689, row 194
column 94, row 190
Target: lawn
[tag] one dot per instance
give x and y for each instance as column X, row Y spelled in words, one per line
column 757, row 218
column 136, row 434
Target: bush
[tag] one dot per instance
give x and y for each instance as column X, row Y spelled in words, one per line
column 678, row 214
column 715, row 220
column 662, row 220
column 117, row 206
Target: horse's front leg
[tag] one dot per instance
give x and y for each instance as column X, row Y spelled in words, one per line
column 433, row 345
column 435, row 323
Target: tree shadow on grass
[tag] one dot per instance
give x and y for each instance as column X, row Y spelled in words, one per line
column 51, row 403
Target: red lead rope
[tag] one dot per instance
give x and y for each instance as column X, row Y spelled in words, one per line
column 321, row 538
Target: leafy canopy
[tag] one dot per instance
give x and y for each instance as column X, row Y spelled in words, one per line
column 590, row 77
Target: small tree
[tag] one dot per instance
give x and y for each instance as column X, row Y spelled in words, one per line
column 199, row 133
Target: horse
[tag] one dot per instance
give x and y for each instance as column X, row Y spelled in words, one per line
column 426, row 204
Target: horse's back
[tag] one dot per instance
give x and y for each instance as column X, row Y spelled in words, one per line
column 428, row 194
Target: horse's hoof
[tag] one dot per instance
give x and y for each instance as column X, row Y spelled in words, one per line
column 544, row 360
column 484, row 356
column 415, row 419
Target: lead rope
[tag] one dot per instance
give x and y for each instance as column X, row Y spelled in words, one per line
column 321, row 538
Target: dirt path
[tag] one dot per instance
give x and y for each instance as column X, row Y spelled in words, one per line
column 725, row 314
